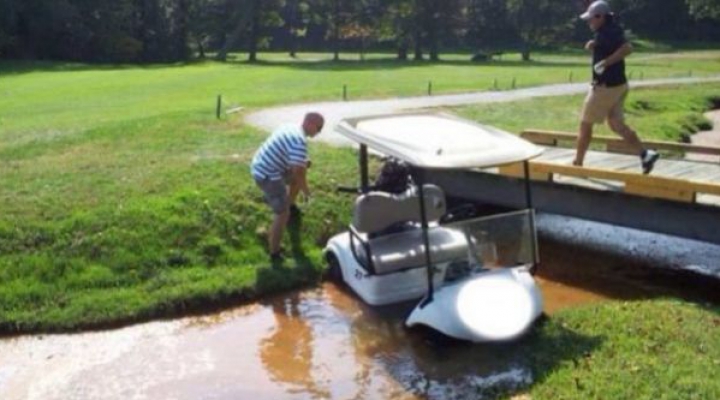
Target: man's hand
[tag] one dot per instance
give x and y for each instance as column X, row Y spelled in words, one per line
column 306, row 195
column 590, row 45
column 599, row 68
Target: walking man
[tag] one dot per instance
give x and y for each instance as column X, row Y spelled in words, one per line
column 609, row 86
column 279, row 168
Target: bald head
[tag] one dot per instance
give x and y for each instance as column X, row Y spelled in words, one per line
column 313, row 123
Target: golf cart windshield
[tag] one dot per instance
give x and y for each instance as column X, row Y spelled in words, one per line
column 497, row 241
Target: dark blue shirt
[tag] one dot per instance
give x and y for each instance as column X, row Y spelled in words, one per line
column 608, row 39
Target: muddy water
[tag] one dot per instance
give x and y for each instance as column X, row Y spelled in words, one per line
column 316, row 344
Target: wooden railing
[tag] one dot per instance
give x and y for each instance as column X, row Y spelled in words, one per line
column 632, row 182
column 614, row 144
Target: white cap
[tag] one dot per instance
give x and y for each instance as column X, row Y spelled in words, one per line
column 599, row 7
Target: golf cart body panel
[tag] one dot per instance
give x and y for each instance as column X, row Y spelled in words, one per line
column 398, row 248
column 497, row 305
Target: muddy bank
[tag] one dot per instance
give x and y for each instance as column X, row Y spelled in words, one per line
column 663, row 253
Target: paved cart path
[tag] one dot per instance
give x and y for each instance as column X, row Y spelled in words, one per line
column 268, row 119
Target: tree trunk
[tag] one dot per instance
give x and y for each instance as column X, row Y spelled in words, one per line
column 418, row 46
column 201, row 49
column 233, row 37
column 525, row 52
column 432, row 38
column 254, row 31
column 402, row 54
column 181, row 33
column 336, row 31
column 434, row 54
column 292, row 27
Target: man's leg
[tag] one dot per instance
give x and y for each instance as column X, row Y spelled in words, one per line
column 276, row 231
column 616, row 121
column 630, row 136
column 583, row 142
column 276, row 197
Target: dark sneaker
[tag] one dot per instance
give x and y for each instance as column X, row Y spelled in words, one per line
column 648, row 159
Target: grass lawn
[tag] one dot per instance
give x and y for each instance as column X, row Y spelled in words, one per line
column 652, row 349
column 122, row 198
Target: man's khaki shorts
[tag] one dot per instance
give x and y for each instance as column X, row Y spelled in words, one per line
column 604, row 102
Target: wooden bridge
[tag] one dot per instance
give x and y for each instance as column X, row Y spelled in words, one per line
column 680, row 197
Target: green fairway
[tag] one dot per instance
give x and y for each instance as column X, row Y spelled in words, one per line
column 41, row 101
column 664, row 113
column 124, row 199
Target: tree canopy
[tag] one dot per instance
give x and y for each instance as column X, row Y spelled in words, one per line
column 177, row 30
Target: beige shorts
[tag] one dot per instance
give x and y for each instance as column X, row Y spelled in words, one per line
column 604, row 102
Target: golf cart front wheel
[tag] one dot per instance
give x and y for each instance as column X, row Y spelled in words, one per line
column 334, row 270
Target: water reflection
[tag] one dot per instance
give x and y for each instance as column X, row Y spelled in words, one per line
column 327, row 344
column 287, row 353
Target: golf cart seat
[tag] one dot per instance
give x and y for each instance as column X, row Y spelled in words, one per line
column 396, row 251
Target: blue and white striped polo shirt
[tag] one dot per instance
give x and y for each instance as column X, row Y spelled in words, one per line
column 286, row 147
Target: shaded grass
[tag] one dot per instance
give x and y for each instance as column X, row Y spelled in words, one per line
column 668, row 113
column 655, row 349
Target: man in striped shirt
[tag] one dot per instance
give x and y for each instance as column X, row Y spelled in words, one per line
column 280, row 162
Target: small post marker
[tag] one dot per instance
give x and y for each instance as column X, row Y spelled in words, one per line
column 513, row 83
column 570, row 77
column 429, row 88
column 495, row 84
column 219, row 106
column 345, row 92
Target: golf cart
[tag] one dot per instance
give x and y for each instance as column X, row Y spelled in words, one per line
column 473, row 274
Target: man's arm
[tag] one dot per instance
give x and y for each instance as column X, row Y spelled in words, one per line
column 619, row 54
column 299, row 178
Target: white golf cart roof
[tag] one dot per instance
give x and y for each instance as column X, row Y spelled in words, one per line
column 436, row 140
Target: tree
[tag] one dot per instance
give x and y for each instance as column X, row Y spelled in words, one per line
column 250, row 19
column 297, row 18
column 538, row 22
column 704, row 8
column 488, row 24
column 396, row 24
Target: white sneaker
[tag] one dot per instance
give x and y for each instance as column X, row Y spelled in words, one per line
column 648, row 159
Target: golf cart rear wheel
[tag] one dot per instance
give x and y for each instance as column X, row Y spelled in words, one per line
column 334, row 270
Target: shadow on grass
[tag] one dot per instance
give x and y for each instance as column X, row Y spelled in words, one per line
column 392, row 64
column 19, row 67
column 294, row 270
column 552, row 345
